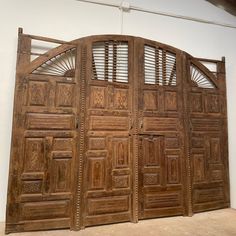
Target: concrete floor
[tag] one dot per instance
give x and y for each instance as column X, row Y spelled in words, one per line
column 214, row 223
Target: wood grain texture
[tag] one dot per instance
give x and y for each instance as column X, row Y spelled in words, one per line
column 115, row 128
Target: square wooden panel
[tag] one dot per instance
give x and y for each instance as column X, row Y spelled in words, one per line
column 120, row 181
column 97, row 143
column 172, row 142
column 171, row 102
column 197, row 142
column 31, row 187
column 121, row 99
column 150, row 100
column 98, row 97
column 65, row 95
column 37, row 93
column 62, row 144
column 151, row 179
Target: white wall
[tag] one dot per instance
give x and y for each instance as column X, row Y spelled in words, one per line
column 69, row 19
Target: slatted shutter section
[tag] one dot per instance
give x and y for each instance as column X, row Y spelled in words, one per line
column 59, row 65
column 159, row 66
column 200, row 79
column 110, row 61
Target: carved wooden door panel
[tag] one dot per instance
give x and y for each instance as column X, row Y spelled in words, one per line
column 208, row 137
column 161, row 159
column 41, row 181
column 107, row 191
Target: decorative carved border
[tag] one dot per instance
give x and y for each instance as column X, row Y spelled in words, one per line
column 78, row 219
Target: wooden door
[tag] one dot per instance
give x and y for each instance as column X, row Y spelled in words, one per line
column 41, row 179
column 208, row 136
column 162, row 172
column 107, row 170
column 114, row 128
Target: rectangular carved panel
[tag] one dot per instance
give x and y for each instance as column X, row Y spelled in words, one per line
column 206, row 124
column 150, row 101
column 37, row 93
column 98, row 97
column 31, row 187
column 160, row 124
column 196, row 104
column 121, row 99
column 171, row 142
column 96, row 173
column 173, row 171
column 159, row 200
column 208, row 195
column 34, row 155
column 121, row 181
column 109, row 123
column 198, row 167
column 64, row 95
column 213, row 103
column 108, row 205
column 152, row 151
column 197, row 142
column 171, row 101
column 49, row 121
column 98, row 143
column 215, row 151
column 120, row 152
column 61, row 175
column 62, row 144
column 151, row 179
column 45, row 210
column 216, row 172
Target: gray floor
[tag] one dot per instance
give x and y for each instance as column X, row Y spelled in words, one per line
column 214, row 223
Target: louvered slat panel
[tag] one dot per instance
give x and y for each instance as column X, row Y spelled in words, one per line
column 110, row 61
column 159, row 66
column 60, row 65
column 199, row 79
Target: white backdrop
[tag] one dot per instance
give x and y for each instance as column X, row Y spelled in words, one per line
column 70, row 19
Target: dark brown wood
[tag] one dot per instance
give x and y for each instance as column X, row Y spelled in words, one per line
column 115, row 128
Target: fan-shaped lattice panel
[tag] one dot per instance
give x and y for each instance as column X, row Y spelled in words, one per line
column 159, row 66
column 110, row 61
column 60, row 65
column 199, row 79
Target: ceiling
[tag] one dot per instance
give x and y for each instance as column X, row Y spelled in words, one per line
column 227, row 5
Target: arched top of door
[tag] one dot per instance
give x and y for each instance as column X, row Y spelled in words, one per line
column 61, row 59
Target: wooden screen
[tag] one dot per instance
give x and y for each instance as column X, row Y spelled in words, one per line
column 114, row 128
